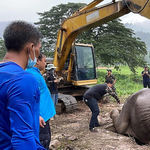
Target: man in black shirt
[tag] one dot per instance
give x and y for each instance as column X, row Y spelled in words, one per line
column 94, row 94
column 51, row 81
column 111, row 76
column 146, row 75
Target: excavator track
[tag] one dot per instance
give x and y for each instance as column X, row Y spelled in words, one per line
column 66, row 103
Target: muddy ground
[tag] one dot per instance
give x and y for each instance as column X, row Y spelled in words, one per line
column 70, row 131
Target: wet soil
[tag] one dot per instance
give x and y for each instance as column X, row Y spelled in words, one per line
column 71, row 130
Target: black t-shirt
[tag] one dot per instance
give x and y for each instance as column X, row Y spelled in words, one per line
column 97, row 92
column 146, row 77
column 51, row 84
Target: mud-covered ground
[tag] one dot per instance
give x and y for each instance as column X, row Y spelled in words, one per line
column 70, row 131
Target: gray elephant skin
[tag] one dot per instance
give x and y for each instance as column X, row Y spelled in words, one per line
column 134, row 118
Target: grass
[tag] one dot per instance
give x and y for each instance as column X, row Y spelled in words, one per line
column 126, row 82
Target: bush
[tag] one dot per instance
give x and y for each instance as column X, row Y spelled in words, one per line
column 126, row 84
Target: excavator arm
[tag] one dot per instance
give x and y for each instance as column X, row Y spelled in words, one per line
column 89, row 17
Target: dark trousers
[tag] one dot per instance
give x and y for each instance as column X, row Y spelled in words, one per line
column 145, row 84
column 93, row 105
column 45, row 135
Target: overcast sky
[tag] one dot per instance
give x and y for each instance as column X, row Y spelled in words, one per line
column 27, row 10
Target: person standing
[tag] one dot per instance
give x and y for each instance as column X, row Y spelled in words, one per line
column 92, row 95
column 19, row 92
column 52, row 80
column 47, row 109
column 109, row 75
column 146, row 75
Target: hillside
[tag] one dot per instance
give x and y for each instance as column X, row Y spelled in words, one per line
column 142, row 31
column 145, row 37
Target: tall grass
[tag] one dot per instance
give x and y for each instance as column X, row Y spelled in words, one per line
column 126, row 82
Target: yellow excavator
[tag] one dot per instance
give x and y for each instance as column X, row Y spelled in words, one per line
column 75, row 62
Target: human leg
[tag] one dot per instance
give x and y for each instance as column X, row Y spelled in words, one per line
column 149, row 84
column 93, row 105
column 145, row 84
column 56, row 99
column 45, row 135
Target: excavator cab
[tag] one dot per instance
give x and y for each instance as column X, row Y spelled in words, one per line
column 84, row 69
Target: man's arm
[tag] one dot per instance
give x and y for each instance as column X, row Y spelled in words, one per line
column 113, row 77
column 106, row 77
column 148, row 73
column 143, row 72
column 42, row 122
column 114, row 81
column 113, row 94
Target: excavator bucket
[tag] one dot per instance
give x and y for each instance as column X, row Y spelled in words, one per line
column 141, row 7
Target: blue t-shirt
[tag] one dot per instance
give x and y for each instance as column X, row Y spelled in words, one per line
column 47, row 108
column 19, row 109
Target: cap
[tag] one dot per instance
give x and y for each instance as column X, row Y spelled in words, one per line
column 109, row 70
column 50, row 66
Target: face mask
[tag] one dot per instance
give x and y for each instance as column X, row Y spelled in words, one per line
column 31, row 63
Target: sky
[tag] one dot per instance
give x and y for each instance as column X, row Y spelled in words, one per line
column 27, row 10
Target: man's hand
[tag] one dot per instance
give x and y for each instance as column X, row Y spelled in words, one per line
column 42, row 122
column 56, row 81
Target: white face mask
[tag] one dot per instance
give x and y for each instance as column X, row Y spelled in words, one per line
column 31, row 62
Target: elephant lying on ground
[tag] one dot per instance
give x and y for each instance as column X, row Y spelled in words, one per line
column 134, row 118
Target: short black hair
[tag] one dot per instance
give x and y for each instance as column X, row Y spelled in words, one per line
column 109, row 80
column 19, row 33
column 41, row 56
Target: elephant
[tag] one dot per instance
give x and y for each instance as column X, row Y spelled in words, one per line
column 134, row 118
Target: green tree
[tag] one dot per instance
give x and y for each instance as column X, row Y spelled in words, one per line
column 116, row 44
column 2, row 49
column 50, row 21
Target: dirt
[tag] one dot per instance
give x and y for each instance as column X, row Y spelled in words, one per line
column 71, row 130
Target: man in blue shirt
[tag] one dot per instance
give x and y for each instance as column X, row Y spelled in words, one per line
column 47, row 109
column 19, row 92
column 146, row 75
